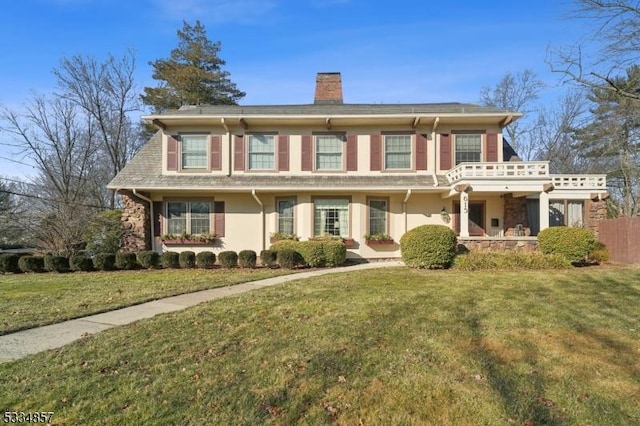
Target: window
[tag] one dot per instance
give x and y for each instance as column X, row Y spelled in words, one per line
column 194, row 151
column 377, row 216
column 397, row 151
column 566, row 213
column 189, row 217
column 331, row 217
column 329, row 152
column 261, row 152
column 468, row 148
column 285, row 216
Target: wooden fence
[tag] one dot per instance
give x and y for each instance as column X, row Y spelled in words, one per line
column 622, row 238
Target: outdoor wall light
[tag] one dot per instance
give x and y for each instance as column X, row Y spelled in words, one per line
column 444, row 215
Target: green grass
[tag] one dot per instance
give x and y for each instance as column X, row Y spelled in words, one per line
column 30, row 300
column 389, row 346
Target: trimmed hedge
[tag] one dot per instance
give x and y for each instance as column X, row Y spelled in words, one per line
column 205, row 259
column 335, row 252
column 104, row 261
column 9, row 263
column 315, row 253
column 288, row 258
column 58, row 264
column 228, row 259
column 187, row 259
column 268, row 258
column 508, row 260
column 148, row 259
column 126, row 260
column 80, row 262
column 428, row 246
column 312, row 253
column 31, row 263
column 170, row 259
column 247, row 259
column 575, row 244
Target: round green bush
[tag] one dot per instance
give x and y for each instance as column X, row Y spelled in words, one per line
column 170, row 260
column 312, row 252
column 335, row 252
column 268, row 258
column 148, row 259
column 228, row 259
column 126, row 260
column 428, row 246
column 205, row 259
column 58, row 264
column 187, row 259
column 288, row 258
column 247, row 259
column 80, row 262
column 104, row 261
column 9, row 263
column 31, row 263
column 574, row 244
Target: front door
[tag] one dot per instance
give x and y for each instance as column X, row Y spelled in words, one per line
column 476, row 218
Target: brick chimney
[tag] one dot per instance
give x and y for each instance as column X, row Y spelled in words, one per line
column 328, row 88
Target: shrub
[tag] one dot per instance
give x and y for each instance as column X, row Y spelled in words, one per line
column 9, row 263
column 288, row 258
column 312, row 252
column 599, row 253
column 126, row 260
column 47, row 262
column 187, row 259
column 228, row 259
column 285, row 244
column 508, row 260
column 205, row 259
column 170, row 259
column 80, row 262
column 58, row 264
column 148, row 259
column 335, row 252
column 573, row 243
column 268, row 258
column 247, row 259
column 31, row 263
column 104, row 261
column 428, row 246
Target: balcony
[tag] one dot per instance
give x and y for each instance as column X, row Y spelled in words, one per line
column 589, row 182
column 520, row 169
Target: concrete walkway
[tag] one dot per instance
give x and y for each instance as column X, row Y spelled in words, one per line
column 27, row 342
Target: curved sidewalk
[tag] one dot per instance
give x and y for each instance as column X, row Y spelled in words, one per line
column 27, row 342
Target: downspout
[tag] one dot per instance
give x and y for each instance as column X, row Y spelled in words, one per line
column 229, row 144
column 404, row 209
column 255, row 197
column 151, row 224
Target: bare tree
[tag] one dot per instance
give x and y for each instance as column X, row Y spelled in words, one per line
column 614, row 26
column 516, row 92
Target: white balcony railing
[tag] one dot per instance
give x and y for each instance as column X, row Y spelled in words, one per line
column 517, row 169
column 590, row 182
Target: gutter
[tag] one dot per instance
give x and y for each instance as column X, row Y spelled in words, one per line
column 404, row 209
column 262, row 227
column 151, row 224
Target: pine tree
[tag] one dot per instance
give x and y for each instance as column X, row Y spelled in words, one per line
column 192, row 75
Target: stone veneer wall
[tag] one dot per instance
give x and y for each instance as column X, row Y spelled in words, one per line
column 595, row 211
column 515, row 212
column 135, row 223
column 511, row 243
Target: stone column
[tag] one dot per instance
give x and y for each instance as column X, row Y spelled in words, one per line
column 135, row 223
column 464, row 214
column 544, row 210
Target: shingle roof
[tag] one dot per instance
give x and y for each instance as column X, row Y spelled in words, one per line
column 144, row 172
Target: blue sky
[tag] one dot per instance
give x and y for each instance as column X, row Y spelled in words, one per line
column 387, row 51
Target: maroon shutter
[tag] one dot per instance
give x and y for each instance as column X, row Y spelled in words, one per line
column 421, row 151
column 216, row 157
column 157, row 219
column 307, row 152
column 376, row 152
column 238, row 152
column 218, row 218
column 172, row 152
column 492, row 147
column 283, row 153
column 352, row 153
column 445, row 151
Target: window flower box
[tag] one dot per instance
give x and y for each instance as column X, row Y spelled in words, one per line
column 188, row 240
column 378, row 240
column 348, row 241
column 279, row 236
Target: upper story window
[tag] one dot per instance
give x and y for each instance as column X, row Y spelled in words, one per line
column 468, row 148
column 397, row 152
column 194, row 151
column 261, row 152
column 329, row 152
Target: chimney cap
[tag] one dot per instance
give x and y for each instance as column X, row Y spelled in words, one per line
column 328, row 88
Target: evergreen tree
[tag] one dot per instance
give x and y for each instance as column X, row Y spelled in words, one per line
column 192, row 75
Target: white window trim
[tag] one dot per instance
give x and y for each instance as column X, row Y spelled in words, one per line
column 411, row 151
column 339, row 136
column 188, row 214
column 273, row 152
column 455, row 145
column 207, row 143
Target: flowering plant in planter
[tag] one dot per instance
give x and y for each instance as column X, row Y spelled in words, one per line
column 348, row 241
column 186, row 239
column 279, row 236
column 378, row 239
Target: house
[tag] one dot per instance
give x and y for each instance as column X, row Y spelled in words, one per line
column 345, row 170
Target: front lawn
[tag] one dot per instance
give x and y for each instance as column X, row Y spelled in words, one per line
column 387, row 346
column 30, row 300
